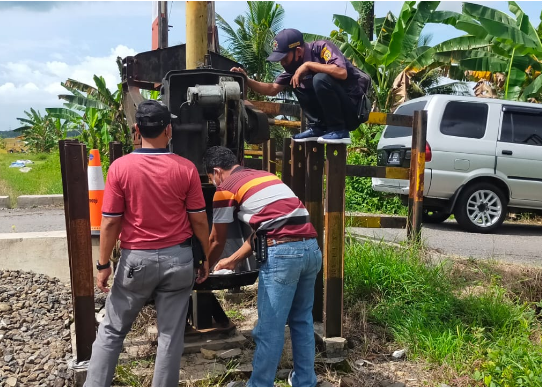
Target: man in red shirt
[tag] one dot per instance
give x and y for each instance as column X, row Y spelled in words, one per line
column 287, row 274
column 154, row 199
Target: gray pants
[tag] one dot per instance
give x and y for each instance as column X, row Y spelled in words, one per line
column 168, row 275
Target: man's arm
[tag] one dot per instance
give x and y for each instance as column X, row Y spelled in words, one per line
column 200, row 226
column 217, row 241
column 331, row 69
column 232, row 261
column 109, row 233
column 265, row 88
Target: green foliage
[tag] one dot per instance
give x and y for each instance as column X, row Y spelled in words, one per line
column 251, row 43
column 486, row 335
column 359, row 194
column 42, row 133
column 44, row 177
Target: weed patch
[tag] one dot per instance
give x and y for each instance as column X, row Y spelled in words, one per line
column 490, row 335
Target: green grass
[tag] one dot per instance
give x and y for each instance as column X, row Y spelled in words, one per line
column 489, row 336
column 44, row 178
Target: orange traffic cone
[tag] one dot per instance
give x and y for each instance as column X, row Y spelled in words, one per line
column 96, row 188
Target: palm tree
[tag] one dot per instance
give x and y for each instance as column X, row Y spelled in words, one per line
column 42, row 132
column 251, row 43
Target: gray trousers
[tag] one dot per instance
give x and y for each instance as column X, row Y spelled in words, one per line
column 168, row 275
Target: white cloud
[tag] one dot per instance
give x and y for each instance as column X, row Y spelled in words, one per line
column 31, row 83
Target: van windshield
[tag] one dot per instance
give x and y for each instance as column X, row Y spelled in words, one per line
column 393, row 131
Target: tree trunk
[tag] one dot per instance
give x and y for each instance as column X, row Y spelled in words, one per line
column 367, row 18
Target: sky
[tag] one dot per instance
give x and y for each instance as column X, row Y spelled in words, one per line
column 44, row 43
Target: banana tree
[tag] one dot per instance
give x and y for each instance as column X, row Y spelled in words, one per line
column 398, row 58
column 514, row 50
column 40, row 132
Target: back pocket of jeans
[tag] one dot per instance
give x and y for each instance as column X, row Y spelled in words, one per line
column 133, row 278
column 287, row 265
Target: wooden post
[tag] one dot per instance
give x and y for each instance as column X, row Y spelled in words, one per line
column 334, row 240
column 417, row 170
column 75, row 185
column 298, row 170
column 314, row 155
column 115, row 151
column 286, row 162
column 269, row 159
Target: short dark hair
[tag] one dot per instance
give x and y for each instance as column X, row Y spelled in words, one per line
column 220, row 157
column 151, row 132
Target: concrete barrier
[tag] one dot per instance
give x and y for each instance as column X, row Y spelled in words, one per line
column 41, row 252
column 5, row 202
column 25, row 201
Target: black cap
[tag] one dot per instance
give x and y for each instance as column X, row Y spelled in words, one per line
column 152, row 113
column 285, row 41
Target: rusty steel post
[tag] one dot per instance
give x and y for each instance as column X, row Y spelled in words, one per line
column 269, row 156
column 298, row 170
column 196, row 33
column 75, row 185
column 417, row 170
column 286, row 162
column 115, row 151
column 314, row 155
column 334, row 240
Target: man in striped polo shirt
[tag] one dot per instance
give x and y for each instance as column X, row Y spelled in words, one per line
column 287, row 277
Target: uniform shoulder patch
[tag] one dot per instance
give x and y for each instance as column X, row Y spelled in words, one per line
column 325, row 54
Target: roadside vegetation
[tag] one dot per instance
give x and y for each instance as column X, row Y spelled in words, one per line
column 43, row 178
column 480, row 321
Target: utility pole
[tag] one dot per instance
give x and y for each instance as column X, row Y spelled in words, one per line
column 159, row 25
column 196, row 33
column 212, row 31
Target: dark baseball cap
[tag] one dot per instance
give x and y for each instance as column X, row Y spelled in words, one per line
column 152, row 113
column 285, row 41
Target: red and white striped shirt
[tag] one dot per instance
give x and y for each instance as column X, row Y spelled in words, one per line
column 261, row 200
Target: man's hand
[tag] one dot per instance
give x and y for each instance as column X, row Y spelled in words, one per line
column 101, row 279
column 239, row 70
column 227, row 263
column 203, row 272
column 298, row 75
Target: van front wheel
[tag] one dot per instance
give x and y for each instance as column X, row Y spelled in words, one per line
column 481, row 208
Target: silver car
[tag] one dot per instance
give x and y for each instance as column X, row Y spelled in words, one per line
column 483, row 159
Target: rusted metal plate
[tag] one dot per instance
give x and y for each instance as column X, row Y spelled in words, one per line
column 314, row 155
column 298, row 170
column 334, row 240
column 254, row 163
column 376, row 222
column 286, row 160
column 377, row 172
column 276, row 109
column 115, row 151
column 75, row 185
column 389, row 119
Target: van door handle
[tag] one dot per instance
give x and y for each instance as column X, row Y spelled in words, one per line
column 507, row 152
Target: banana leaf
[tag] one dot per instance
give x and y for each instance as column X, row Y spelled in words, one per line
column 89, row 90
column 415, row 26
column 477, row 11
column 397, row 37
column 63, row 113
column 381, row 46
column 82, row 101
column 528, row 29
column 351, row 27
column 532, row 89
column 508, row 34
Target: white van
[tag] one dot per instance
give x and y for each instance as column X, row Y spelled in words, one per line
column 483, row 158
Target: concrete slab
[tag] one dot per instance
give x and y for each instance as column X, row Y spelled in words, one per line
column 24, row 201
column 41, row 252
column 5, row 202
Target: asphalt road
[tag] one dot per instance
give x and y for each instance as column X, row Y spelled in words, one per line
column 516, row 243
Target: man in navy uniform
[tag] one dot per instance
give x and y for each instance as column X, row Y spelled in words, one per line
column 328, row 87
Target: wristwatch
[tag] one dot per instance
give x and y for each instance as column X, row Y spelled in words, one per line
column 102, row 266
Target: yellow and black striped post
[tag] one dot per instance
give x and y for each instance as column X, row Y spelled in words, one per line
column 314, row 155
column 417, row 169
column 334, row 240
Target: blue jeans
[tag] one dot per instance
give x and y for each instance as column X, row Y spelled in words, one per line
column 286, row 293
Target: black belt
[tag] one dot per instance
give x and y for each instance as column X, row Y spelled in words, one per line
column 186, row 243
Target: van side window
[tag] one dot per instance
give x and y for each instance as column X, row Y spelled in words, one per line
column 521, row 128
column 464, row 119
column 393, row 131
